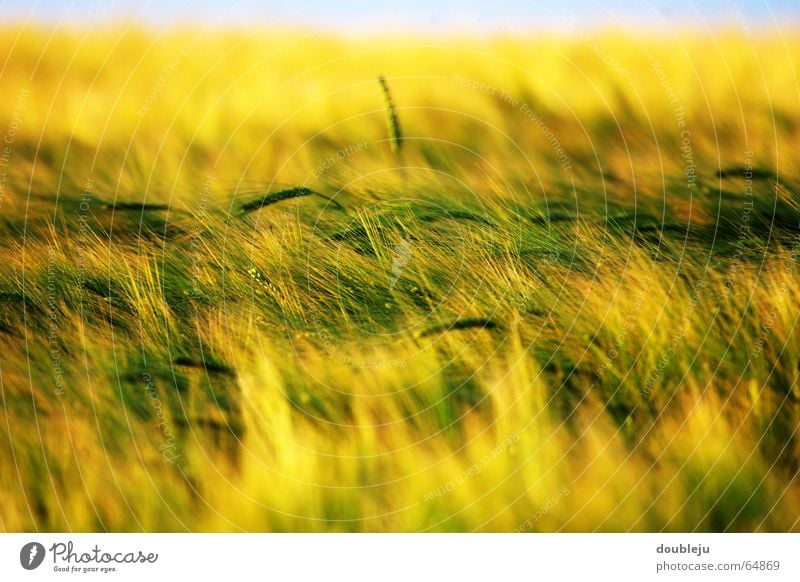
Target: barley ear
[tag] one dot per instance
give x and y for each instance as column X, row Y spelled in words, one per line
column 392, row 120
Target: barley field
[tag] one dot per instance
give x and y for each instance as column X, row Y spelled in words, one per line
column 308, row 282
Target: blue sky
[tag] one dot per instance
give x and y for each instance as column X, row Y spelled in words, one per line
column 366, row 15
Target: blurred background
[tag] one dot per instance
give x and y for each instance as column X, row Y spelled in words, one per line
column 568, row 303
column 365, row 16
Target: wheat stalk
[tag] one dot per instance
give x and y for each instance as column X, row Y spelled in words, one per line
column 392, row 120
column 459, row 324
column 280, row 195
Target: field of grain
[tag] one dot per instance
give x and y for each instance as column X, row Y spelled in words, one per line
column 541, row 283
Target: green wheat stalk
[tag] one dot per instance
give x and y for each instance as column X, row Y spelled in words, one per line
column 392, row 120
column 285, row 194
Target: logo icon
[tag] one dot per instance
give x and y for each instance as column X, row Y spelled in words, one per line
column 31, row 555
column 401, row 254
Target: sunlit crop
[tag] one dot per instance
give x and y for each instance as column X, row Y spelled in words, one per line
column 540, row 283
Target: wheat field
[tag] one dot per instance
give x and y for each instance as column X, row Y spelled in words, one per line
column 542, row 283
